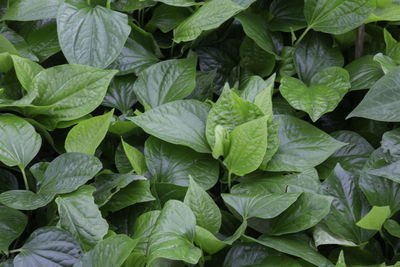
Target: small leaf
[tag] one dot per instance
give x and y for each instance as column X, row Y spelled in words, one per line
column 21, row 10
column 135, row 157
column 12, row 224
column 375, row 218
column 26, row 70
column 87, row 135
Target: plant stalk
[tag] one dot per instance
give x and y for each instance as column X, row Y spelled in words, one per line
column 25, row 179
column 229, row 181
column 302, row 35
column 359, row 42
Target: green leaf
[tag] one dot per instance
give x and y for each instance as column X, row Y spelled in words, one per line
column 254, row 59
column 65, row 174
column 26, row 71
column 182, row 122
column 210, row 16
column 287, row 15
column 48, row 246
column 248, row 145
column 80, row 216
column 327, row 88
column 391, row 143
column 297, row 246
column 364, row 72
column 348, row 206
column 140, row 52
column 392, row 227
column 87, row 135
column 389, row 12
column 308, row 210
column 112, row 251
column 375, row 218
column 260, row 206
column 21, row 10
column 386, row 63
column 131, row 5
column 301, row 145
column 230, row 111
column 323, row 15
column 135, row 157
column 315, row 53
column 12, row 224
column 167, row 18
column 272, row 143
column 182, row 3
column 174, row 164
column 144, row 225
column 166, row 81
column 67, row 92
column 173, row 235
column 341, row 262
column 120, row 94
column 19, row 141
column 207, row 213
column 376, row 104
column 108, row 184
column 107, row 30
column 207, row 241
column 136, row 192
column 256, row 27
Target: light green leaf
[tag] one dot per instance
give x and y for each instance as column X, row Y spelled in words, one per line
column 92, row 36
column 375, row 218
column 322, row 15
column 48, row 246
column 272, row 143
column 22, row 10
column 26, row 70
column 166, row 81
column 391, row 142
column 230, row 111
column 174, row 164
column 207, row 241
column 80, row 216
column 131, row 5
column 87, row 135
column 182, row 3
column 182, row 122
column 207, row 213
column 260, row 206
column 210, row 16
column 341, row 262
column 381, row 103
column 19, row 142
column 144, row 225
column 112, row 251
column 301, row 145
column 392, row 227
column 173, row 234
column 12, row 224
column 386, row 63
column 135, row 157
column 326, row 90
column 389, row 12
column 248, row 145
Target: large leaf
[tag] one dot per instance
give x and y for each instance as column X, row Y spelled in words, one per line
column 19, row 141
column 173, row 234
column 144, row 225
column 33, row 10
column 301, row 145
column 166, row 17
column 322, row 15
column 12, row 224
column 248, row 145
column 48, row 246
column 92, row 36
column 315, row 53
column 112, row 251
column 287, row 15
column 208, row 215
column 364, row 72
column 327, row 88
column 87, row 135
column 25, row 70
column 67, row 92
column 181, row 122
column 348, row 207
column 65, row 174
column 296, row 245
column 381, row 102
column 80, row 216
column 166, row 81
column 210, row 16
column 260, row 206
column 174, row 164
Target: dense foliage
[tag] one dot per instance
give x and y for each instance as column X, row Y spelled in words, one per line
column 199, row 133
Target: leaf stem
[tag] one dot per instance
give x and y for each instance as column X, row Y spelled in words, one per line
column 229, row 180
column 15, row 250
column 108, row 4
column 302, row 35
column 359, row 42
column 88, row 1
column 24, row 176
